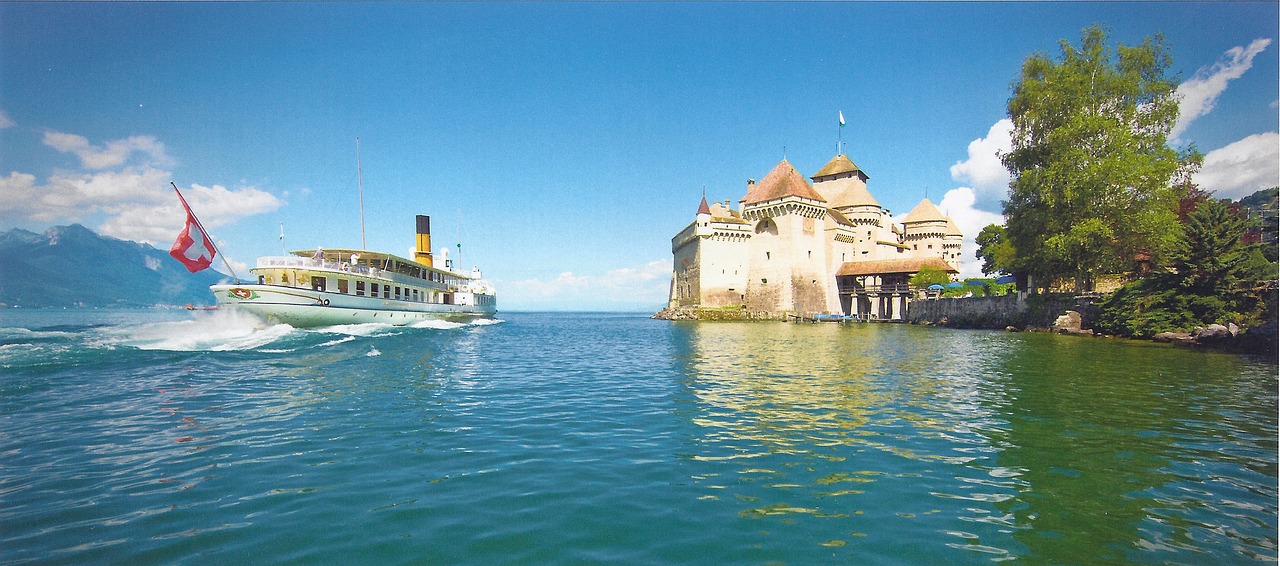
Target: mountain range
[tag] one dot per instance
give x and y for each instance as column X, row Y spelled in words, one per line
column 71, row 266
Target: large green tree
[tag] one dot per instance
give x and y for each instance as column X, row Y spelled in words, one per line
column 995, row 250
column 1094, row 183
column 1213, row 257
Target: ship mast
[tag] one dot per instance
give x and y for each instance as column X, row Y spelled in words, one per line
column 360, row 184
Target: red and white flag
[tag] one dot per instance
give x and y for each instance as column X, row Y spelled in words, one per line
column 193, row 247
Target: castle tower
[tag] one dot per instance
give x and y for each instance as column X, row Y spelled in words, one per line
column 928, row 231
column 787, row 252
column 844, row 185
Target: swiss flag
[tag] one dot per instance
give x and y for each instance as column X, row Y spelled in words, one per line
column 192, row 247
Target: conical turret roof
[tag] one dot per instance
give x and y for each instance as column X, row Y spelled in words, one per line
column 838, row 164
column 782, row 181
column 924, row 212
column 952, row 229
column 855, row 193
column 704, row 208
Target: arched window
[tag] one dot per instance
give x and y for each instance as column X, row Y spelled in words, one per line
column 767, row 226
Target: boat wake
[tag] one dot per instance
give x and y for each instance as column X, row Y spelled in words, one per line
column 232, row 331
column 205, row 331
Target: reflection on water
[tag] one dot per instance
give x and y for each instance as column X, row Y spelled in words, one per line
column 1001, row 445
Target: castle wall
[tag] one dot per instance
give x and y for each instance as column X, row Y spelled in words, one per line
column 724, row 271
column 686, row 284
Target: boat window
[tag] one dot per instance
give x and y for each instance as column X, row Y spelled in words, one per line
column 360, row 288
column 386, row 291
column 374, row 291
column 397, row 291
column 318, row 283
column 342, row 286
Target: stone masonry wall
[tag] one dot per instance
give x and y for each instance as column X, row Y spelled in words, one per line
column 1034, row 311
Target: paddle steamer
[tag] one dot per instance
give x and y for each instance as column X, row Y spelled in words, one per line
column 325, row 287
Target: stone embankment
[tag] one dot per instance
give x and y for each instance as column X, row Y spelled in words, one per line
column 1064, row 314
column 1034, row 312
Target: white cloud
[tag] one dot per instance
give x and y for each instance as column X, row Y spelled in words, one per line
column 958, row 203
column 1242, row 167
column 983, row 171
column 137, row 201
column 1200, row 94
column 640, row 286
column 113, row 154
column 5, row 121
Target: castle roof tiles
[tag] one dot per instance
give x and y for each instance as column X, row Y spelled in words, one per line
column 782, row 181
column 838, row 164
column 924, row 212
column 893, row 266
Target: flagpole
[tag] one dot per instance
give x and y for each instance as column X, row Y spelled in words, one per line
column 360, row 184
column 212, row 247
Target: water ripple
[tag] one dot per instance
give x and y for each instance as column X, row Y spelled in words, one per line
column 556, row 439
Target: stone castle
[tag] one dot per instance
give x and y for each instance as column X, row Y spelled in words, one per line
column 797, row 248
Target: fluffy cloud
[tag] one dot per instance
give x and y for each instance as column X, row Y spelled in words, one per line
column 641, row 286
column 113, row 154
column 1243, row 167
column 983, row 171
column 5, row 121
column 136, row 201
column 959, row 204
column 1200, row 94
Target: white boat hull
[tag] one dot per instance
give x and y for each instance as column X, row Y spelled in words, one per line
column 307, row 308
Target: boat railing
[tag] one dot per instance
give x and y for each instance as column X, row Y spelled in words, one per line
column 297, row 262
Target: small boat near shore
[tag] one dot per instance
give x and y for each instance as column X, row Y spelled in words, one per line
column 326, row 287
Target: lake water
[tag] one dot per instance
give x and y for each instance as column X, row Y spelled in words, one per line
column 172, row 437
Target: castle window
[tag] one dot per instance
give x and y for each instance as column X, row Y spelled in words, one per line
column 766, row 255
column 763, row 280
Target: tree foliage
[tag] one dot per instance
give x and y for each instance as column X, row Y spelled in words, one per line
column 995, row 250
column 1094, row 183
column 1213, row 267
column 929, row 276
column 1212, row 256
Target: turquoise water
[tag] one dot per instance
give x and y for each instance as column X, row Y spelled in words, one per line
column 168, row 437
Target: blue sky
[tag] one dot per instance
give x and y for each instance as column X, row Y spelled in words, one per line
column 564, row 144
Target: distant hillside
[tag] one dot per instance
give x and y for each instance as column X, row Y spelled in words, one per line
column 72, row 266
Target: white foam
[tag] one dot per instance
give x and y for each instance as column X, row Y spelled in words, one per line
column 217, row 331
column 33, row 334
column 373, row 352
column 336, row 342
column 362, row 329
column 437, row 324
